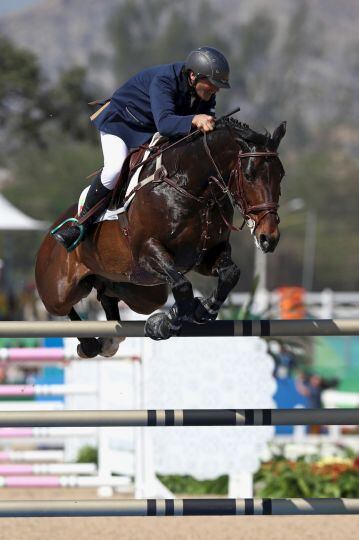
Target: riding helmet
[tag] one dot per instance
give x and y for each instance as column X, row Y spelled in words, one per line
column 210, row 63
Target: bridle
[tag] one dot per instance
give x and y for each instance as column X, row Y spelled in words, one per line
column 252, row 214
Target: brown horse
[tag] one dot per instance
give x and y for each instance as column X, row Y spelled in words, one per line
column 177, row 223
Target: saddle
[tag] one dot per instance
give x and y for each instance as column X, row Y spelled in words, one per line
column 131, row 163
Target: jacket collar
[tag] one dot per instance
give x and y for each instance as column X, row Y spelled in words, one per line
column 184, row 86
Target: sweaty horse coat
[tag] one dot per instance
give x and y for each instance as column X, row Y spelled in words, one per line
column 173, row 228
column 156, row 99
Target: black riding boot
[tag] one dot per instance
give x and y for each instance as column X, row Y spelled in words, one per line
column 70, row 236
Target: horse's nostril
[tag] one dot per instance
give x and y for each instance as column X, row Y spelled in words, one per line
column 264, row 242
column 268, row 242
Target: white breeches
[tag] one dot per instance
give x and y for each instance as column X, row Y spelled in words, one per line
column 114, row 154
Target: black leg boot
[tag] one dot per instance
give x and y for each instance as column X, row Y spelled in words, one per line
column 70, row 236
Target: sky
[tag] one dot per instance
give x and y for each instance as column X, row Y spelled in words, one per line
column 8, row 6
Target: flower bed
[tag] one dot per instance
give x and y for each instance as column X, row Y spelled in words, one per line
column 326, row 477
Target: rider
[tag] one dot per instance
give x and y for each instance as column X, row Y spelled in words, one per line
column 170, row 99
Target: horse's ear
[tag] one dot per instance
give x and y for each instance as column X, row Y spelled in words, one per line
column 278, row 135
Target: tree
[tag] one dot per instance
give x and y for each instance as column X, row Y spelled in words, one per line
column 250, row 54
column 20, row 90
column 48, row 142
column 159, row 31
column 68, row 107
column 34, row 110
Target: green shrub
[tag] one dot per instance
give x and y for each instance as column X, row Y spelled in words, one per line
column 189, row 485
column 87, row 454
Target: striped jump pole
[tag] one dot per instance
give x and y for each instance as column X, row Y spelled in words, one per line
column 264, row 328
column 177, row 417
column 179, row 507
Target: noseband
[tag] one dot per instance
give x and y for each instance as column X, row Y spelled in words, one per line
column 252, row 214
column 255, row 212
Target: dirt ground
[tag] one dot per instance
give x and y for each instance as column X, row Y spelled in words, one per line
column 166, row 528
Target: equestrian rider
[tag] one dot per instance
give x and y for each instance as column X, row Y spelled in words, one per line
column 170, row 99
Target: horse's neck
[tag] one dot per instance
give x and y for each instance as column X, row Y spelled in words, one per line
column 215, row 161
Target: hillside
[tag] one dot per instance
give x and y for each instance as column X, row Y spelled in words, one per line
column 67, row 32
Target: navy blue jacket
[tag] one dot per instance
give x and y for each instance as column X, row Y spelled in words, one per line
column 156, row 99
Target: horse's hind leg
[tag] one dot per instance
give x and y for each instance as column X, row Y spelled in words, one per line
column 89, row 347
column 109, row 346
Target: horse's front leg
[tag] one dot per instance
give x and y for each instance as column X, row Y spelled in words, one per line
column 228, row 273
column 159, row 262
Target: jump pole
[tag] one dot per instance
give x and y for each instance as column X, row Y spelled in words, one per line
column 43, row 432
column 45, row 355
column 31, row 455
column 264, row 328
column 179, row 507
column 34, row 469
column 179, row 417
column 30, row 390
column 54, row 481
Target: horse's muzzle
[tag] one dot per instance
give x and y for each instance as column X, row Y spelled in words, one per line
column 268, row 242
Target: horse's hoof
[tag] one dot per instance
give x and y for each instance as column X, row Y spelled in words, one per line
column 109, row 346
column 159, row 326
column 202, row 313
column 89, row 348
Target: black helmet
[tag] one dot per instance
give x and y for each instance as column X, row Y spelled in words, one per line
column 210, row 63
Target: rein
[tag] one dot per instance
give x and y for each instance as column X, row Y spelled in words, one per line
column 191, row 135
column 249, row 212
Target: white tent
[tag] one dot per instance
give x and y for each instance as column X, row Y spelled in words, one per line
column 12, row 219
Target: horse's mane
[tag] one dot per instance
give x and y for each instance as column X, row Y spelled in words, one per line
column 243, row 131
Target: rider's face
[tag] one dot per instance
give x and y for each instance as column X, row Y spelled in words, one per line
column 204, row 88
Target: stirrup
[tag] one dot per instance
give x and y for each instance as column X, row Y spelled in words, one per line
column 79, row 225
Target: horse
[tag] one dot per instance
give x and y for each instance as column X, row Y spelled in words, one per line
column 180, row 221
